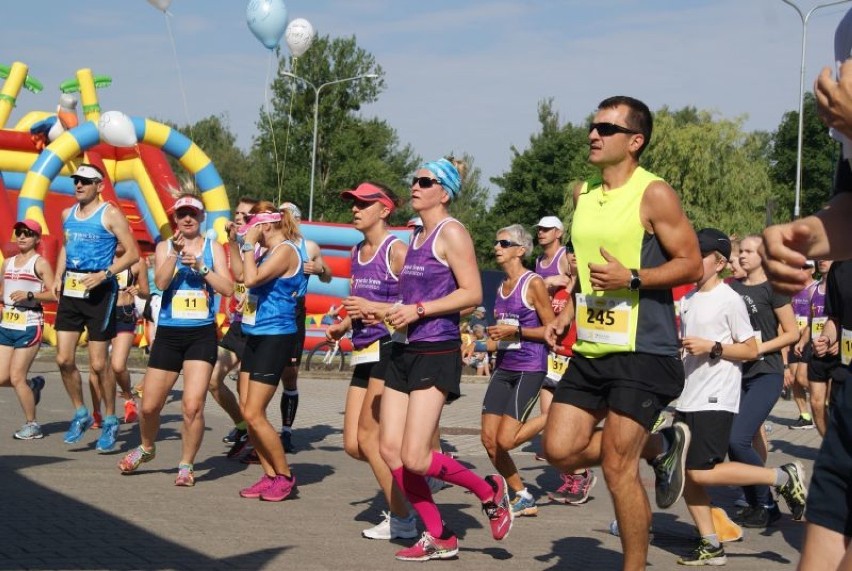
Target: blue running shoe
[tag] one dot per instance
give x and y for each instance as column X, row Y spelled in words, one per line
column 106, row 442
column 79, row 425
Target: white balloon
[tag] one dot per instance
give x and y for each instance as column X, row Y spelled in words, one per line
column 117, row 129
column 299, row 35
column 161, row 5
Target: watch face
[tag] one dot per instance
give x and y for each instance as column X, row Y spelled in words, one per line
column 421, row 310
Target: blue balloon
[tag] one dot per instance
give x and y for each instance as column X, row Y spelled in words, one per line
column 267, row 20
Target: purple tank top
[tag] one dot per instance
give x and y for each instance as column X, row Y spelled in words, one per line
column 423, row 278
column 817, row 306
column 552, row 269
column 373, row 280
column 802, row 301
column 532, row 355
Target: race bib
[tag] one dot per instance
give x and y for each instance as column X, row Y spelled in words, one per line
column 556, row 365
column 73, row 285
column 514, row 342
column 14, row 319
column 250, row 309
column 817, row 325
column 239, row 291
column 603, row 319
column 189, row 304
column 846, row 347
column 801, row 322
column 368, row 354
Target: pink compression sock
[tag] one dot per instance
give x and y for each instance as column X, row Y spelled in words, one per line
column 451, row 470
column 417, row 491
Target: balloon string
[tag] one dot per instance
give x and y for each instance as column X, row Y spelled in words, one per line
column 180, row 74
column 289, row 122
column 269, row 120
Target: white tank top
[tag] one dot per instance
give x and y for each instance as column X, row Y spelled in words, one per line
column 23, row 279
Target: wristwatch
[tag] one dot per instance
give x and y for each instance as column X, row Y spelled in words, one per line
column 30, row 296
column 716, row 351
column 635, row 281
column 108, row 274
column 421, row 311
column 247, row 247
column 203, row 270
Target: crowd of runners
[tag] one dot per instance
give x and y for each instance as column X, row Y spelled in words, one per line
column 638, row 339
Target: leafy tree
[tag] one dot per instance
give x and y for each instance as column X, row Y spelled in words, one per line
column 717, row 169
column 471, row 209
column 350, row 148
column 819, row 155
column 539, row 178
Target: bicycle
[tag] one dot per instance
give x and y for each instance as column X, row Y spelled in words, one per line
column 326, row 356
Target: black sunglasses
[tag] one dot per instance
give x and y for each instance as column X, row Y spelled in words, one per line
column 609, row 129
column 84, row 181
column 505, row 243
column 424, row 181
column 25, row 232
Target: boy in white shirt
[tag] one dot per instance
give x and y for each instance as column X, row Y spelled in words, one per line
column 717, row 337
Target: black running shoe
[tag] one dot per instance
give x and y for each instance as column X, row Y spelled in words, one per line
column 794, row 492
column 759, row 517
column 802, row 423
column 238, row 447
column 234, row 436
column 287, row 442
column 704, row 554
column 670, row 467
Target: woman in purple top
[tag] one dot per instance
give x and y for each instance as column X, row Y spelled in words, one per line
column 376, row 263
column 439, row 279
column 522, row 306
column 796, row 374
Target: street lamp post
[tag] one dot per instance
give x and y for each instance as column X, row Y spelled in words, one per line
column 316, row 122
column 805, row 18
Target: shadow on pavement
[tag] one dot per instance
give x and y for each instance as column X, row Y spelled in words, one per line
column 55, row 543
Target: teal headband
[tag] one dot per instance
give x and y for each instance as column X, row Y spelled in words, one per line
column 447, row 174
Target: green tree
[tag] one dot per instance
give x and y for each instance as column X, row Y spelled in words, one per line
column 540, row 176
column 819, row 156
column 719, row 171
column 350, row 148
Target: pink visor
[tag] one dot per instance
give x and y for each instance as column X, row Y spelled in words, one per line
column 369, row 193
column 259, row 218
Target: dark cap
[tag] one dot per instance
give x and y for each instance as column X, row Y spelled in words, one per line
column 712, row 240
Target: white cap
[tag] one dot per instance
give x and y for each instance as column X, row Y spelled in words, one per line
column 550, row 222
column 294, row 210
column 416, row 221
column 85, row 171
column 188, row 202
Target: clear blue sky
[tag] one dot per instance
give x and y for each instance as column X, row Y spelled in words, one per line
column 462, row 76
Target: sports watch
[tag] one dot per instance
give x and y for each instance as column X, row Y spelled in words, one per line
column 635, row 281
column 203, row 270
column 716, row 351
column 247, row 247
column 108, row 274
column 421, row 311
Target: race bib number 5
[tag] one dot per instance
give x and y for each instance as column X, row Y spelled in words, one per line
column 189, row 304
column 603, row 319
column 73, row 285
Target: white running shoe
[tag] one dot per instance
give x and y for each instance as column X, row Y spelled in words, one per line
column 393, row 527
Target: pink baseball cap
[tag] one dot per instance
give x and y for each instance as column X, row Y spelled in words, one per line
column 29, row 224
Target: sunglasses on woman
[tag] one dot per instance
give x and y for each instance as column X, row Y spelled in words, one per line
column 609, row 129
column 505, row 243
column 424, row 181
column 24, row 233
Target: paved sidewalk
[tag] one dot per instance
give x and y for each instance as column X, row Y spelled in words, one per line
column 67, row 507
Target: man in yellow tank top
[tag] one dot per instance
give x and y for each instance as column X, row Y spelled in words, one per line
column 633, row 244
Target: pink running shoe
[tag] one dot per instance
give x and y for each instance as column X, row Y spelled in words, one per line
column 575, row 488
column 134, row 458
column 185, row 477
column 430, row 548
column 255, row 490
column 279, row 488
column 498, row 510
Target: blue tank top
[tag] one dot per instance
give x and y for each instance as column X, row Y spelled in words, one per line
column 270, row 308
column 89, row 246
column 423, row 278
column 188, row 301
